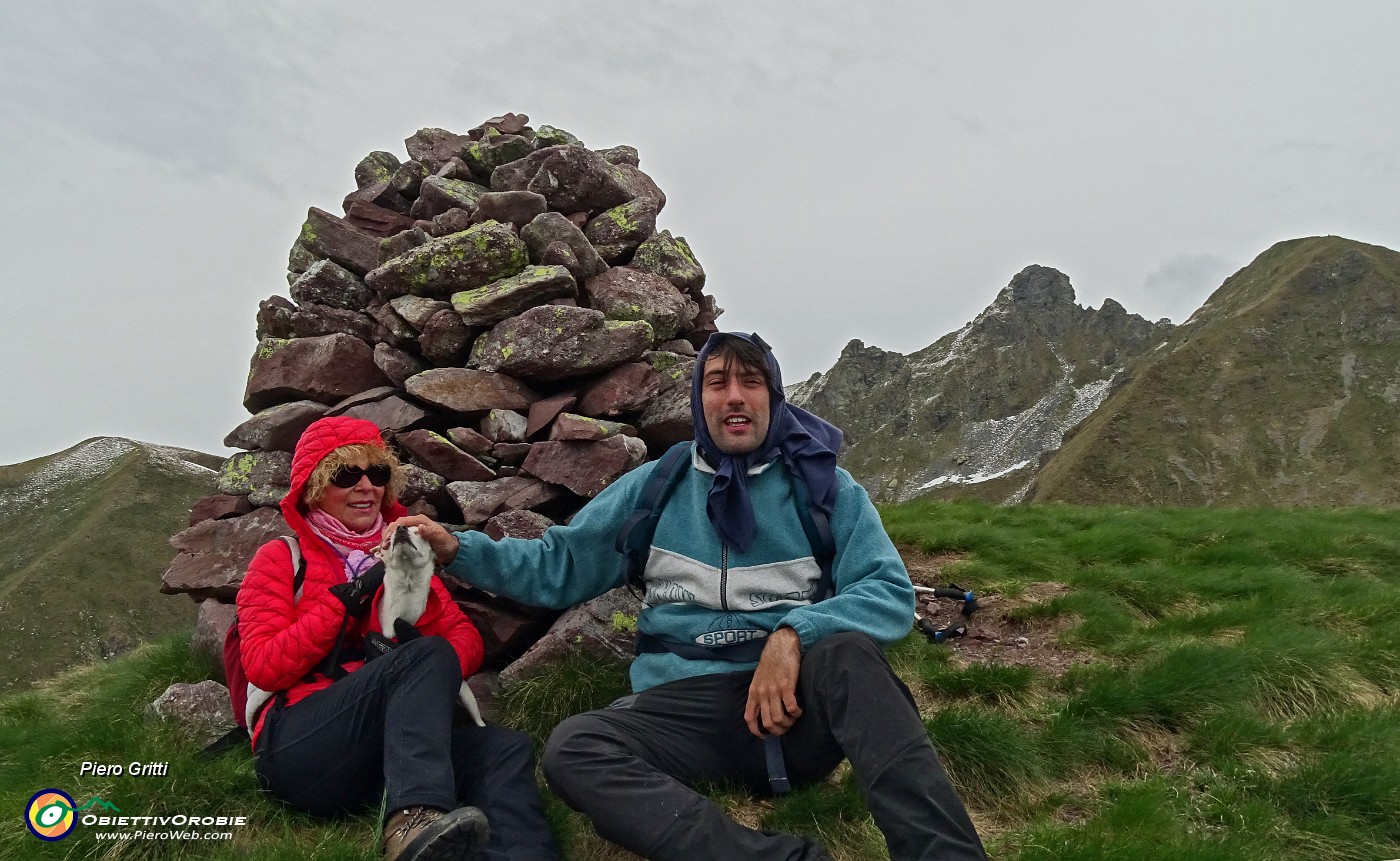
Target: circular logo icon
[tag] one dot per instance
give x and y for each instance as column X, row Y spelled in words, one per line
column 50, row 815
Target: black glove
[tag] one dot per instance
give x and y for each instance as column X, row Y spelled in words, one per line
column 358, row 594
column 377, row 644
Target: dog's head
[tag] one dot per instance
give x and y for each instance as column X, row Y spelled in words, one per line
column 409, row 552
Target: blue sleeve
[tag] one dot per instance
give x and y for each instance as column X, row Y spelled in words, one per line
column 568, row 566
column 873, row 593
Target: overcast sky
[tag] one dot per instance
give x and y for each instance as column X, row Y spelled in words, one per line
column 872, row 171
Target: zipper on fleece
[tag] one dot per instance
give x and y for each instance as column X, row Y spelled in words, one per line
column 724, row 577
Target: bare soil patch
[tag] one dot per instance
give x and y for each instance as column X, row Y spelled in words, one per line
column 996, row 634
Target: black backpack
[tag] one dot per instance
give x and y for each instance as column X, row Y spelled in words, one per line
column 634, row 543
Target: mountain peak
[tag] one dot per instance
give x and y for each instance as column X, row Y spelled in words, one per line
column 1038, row 287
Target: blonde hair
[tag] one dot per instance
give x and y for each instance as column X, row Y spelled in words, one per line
column 352, row 455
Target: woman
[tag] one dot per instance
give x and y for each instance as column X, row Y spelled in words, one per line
column 334, row 738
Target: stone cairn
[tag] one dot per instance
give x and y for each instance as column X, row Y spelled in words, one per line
column 502, row 305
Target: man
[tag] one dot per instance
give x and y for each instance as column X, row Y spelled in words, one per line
column 731, row 562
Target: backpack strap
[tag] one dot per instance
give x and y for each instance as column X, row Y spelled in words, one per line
column 298, row 565
column 634, row 537
column 818, row 528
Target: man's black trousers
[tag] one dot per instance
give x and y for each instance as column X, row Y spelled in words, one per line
column 630, row 767
column 388, row 728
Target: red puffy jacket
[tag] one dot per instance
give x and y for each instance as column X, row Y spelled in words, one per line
column 282, row 639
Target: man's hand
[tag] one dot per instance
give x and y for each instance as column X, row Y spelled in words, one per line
column 444, row 543
column 772, row 707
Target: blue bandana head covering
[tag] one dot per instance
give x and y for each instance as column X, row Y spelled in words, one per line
column 807, row 444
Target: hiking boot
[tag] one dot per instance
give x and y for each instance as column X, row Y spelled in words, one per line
column 425, row 834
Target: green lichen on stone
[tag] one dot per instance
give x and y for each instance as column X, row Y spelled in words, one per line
column 624, row 623
column 439, row 438
column 623, row 217
column 238, row 472
column 552, row 136
column 684, row 248
column 268, row 346
column 664, row 362
column 308, row 234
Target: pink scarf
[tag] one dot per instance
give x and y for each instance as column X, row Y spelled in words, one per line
column 353, row 546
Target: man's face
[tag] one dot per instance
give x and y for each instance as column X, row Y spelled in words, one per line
column 735, row 403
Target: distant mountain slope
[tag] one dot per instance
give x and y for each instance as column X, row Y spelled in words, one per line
column 974, row 413
column 83, row 539
column 1282, row 389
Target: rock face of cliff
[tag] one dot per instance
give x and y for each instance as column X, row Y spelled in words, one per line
column 1282, row 389
column 977, row 412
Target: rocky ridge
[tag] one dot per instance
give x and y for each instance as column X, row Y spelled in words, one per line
column 502, row 305
column 978, row 411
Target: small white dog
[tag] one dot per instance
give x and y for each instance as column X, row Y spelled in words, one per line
column 408, row 574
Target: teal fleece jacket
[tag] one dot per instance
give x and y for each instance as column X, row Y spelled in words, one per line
column 697, row 589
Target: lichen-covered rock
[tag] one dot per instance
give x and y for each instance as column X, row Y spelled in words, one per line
column 328, row 283
column 536, row 285
column 553, row 342
column 324, row 369
column 462, row 261
column 547, row 231
column 549, row 136
column 408, row 179
column 245, row 472
column 504, row 426
column 586, row 468
column 570, row 426
column 617, row 232
column 625, row 389
column 275, row 428
column 446, row 340
column 485, row 155
column 517, row 524
column 376, row 167
column 674, row 369
column 439, row 194
column 516, row 207
column 623, row 293
column 433, row 148
column 398, row 365
column 464, row 390
column 214, row 555
column 437, row 453
column 326, row 236
column 671, row 258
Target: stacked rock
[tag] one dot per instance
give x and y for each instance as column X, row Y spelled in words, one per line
column 502, row 305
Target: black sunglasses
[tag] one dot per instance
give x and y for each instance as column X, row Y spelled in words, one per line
column 349, row 476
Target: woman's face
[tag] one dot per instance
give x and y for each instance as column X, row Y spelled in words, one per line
column 355, row 506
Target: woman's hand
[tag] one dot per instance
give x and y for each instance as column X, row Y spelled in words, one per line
column 444, row 543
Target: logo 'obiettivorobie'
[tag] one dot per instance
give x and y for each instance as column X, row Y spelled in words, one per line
column 52, row 813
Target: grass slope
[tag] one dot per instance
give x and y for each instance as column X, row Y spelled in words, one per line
column 83, row 540
column 1241, row 703
column 1278, row 391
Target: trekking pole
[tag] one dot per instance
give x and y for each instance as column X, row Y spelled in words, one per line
column 954, row 593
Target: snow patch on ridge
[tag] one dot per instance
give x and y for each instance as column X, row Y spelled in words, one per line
column 85, row 463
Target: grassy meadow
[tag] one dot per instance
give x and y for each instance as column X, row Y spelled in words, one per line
column 1234, row 696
